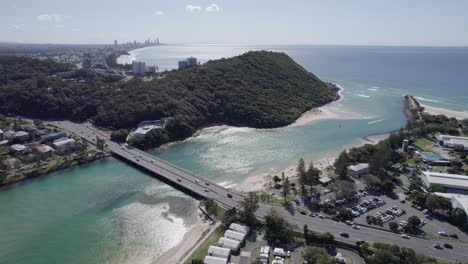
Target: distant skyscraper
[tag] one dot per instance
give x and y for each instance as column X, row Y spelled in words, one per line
column 157, row 41
column 139, row 68
column 115, row 43
column 134, row 43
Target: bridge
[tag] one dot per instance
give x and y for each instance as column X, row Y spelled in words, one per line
column 227, row 198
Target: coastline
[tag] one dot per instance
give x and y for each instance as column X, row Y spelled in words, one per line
column 442, row 111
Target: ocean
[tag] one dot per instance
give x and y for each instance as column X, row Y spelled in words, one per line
column 109, row 212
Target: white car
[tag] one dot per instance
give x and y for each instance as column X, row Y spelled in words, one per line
column 442, row 233
column 197, row 181
column 405, row 236
column 349, row 222
column 356, row 227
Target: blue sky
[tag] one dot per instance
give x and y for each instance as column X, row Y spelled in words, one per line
column 344, row 22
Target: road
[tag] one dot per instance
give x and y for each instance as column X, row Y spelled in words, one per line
column 228, row 199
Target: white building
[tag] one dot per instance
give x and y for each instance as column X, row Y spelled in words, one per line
column 451, row 182
column 18, row 147
column 358, row 170
column 458, row 200
column 139, row 68
column 239, row 228
column 264, row 254
column 192, row 61
column 1, row 135
column 146, row 126
column 279, row 252
column 233, row 245
column 234, row 235
column 44, row 149
column 219, row 252
column 215, row 260
column 21, row 136
column 64, row 144
column 460, row 143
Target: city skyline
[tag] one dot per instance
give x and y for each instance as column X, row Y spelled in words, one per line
column 401, row 23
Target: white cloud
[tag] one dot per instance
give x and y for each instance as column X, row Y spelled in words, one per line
column 54, row 18
column 159, row 13
column 213, row 8
column 193, row 8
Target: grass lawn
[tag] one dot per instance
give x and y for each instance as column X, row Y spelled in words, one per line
column 423, row 144
column 202, row 251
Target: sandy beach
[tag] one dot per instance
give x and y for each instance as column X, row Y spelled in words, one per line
column 190, row 240
column 442, row 111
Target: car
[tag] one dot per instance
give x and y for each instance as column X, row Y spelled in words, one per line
column 405, row 236
column 437, row 246
column 197, row 181
column 447, row 245
column 179, row 180
column 442, row 233
column 454, row 236
column 138, row 160
column 344, row 234
column 349, row 222
column 425, row 211
column 207, row 183
column 206, row 190
column 321, row 216
column 356, row 227
column 402, row 201
column 229, row 195
column 303, row 213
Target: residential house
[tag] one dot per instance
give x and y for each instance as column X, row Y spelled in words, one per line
column 219, row 252
column 235, row 235
column 239, row 228
column 233, row 245
column 215, row 260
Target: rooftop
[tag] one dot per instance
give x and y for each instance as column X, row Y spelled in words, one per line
column 359, row 166
column 445, row 179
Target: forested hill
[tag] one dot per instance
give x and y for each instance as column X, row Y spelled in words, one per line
column 258, row 89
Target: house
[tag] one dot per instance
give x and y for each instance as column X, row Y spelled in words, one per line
column 219, row 252
column 1, row 135
column 325, row 180
column 53, row 136
column 20, row 136
column 8, row 134
column 64, row 144
column 18, row 148
column 235, row 235
column 279, row 252
column 239, row 228
column 233, row 245
column 215, row 260
column 44, row 150
column 357, row 170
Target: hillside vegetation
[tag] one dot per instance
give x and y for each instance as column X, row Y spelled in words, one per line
column 258, row 89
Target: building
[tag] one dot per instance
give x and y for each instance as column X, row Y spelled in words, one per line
column 1, row 135
column 432, row 158
column 325, row 180
column 215, row 260
column 189, row 62
column 20, row 136
column 53, row 136
column 139, row 68
column 64, row 144
column 146, row 126
column 458, row 200
column 219, row 252
column 235, row 235
column 8, row 134
column 44, row 150
column 239, row 228
column 459, row 143
column 115, row 44
column 233, row 245
column 358, row 170
column 451, row 182
column 405, row 145
column 264, row 255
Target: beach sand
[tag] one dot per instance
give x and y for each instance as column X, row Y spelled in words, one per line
column 442, row 111
column 190, row 240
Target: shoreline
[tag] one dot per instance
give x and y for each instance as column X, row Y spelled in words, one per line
column 443, row 111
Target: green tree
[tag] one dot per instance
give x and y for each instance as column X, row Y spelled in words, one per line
column 286, row 189
column 458, row 217
column 380, row 158
column 249, row 206
column 301, row 174
column 435, row 202
column 197, row 261
column 383, row 257
column 315, row 255
column 393, row 225
column 414, row 220
column 312, row 174
column 277, row 229
column 341, row 165
column 343, row 188
column 229, row 217
column 211, row 206
column 119, row 135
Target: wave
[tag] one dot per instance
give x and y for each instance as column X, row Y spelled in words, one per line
column 372, row 89
column 427, row 100
column 375, row 121
column 363, row 95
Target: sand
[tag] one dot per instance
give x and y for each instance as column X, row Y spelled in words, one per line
column 442, row 111
column 330, row 111
column 191, row 239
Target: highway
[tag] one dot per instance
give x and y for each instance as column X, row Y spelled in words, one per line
column 229, row 198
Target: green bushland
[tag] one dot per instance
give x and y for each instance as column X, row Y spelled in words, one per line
column 258, row 89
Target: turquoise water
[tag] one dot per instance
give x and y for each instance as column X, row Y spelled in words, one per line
column 109, row 212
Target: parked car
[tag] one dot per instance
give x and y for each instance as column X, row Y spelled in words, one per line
column 442, row 233
column 447, row 245
column 349, row 222
column 344, row 234
column 454, row 236
column 437, row 246
column 356, row 227
column 405, row 236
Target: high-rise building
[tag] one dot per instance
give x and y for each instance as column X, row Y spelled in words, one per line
column 192, row 61
column 115, row 43
column 139, row 68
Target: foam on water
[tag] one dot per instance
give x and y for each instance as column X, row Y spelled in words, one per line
column 363, row 95
column 427, row 99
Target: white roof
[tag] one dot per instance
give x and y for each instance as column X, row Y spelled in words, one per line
column 359, row 166
column 234, row 235
column 448, row 180
column 21, row 134
column 219, row 251
column 229, row 243
column 279, row 251
column 18, row 147
column 239, row 228
column 265, row 250
column 458, row 200
column 1, row 131
column 215, row 260
column 45, row 149
column 325, row 179
column 64, row 142
column 449, row 137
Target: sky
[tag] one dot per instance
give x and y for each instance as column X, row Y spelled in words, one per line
column 320, row 22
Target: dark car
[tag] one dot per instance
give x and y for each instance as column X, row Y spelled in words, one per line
column 437, row 246
column 447, row 245
column 454, row 236
column 343, row 234
column 229, row 195
column 179, row 180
